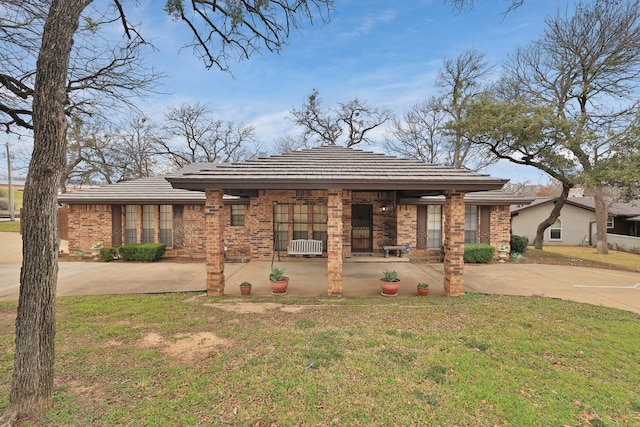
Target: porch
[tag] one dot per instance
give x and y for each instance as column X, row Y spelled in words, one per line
column 308, row 277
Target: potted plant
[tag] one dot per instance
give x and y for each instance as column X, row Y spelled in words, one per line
column 503, row 252
column 390, row 283
column 245, row 288
column 279, row 282
column 95, row 248
column 423, row 289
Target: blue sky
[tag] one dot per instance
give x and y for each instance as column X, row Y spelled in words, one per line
column 386, row 53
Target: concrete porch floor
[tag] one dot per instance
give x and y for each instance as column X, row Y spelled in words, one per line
column 308, row 277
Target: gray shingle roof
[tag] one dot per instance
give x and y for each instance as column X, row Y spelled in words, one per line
column 154, row 190
column 620, row 209
column 332, row 166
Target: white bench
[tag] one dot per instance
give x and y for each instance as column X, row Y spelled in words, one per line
column 305, row 247
column 398, row 248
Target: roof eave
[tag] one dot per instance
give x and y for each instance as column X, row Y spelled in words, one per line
column 373, row 185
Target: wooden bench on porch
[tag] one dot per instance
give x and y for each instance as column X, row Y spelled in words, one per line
column 398, row 248
column 305, row 247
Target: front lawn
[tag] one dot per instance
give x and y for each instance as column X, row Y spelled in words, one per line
column 188, row 359
column 619, row 258
column 10, row 226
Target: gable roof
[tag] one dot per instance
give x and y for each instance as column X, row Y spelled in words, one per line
column 333, row 166
column 616, row 209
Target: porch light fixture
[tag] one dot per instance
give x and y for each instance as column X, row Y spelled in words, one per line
column 383, row 208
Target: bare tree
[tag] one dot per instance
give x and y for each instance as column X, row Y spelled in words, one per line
column 97, row 154
column 432, row 131
column 354, row 119
column 261, row 25
column 192, row 134
column 133, row 153
column 289, row 143
column 461, row 81
column 418, row 135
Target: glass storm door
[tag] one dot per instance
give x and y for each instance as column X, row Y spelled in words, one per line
column 361, row 228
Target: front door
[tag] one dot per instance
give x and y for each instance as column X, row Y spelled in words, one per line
column 361, row 228
column 485, row 224
column 116, row 225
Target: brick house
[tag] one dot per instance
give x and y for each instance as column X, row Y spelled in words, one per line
column 354, row 202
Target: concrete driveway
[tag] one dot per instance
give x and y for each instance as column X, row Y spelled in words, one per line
column 308, row 278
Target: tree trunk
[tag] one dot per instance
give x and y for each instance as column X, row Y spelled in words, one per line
column 32, row 385
column 602, row 214
column 553, row 216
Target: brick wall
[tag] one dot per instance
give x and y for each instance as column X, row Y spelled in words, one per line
column 407, row 225
column 89, row 224
column 92, row 223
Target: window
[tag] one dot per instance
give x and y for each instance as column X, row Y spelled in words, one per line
column 610, row 223
column 320, row 224
column 131, row 224
column 300, row 222
column 237, row 215
column 281, row 226
column 555, row 231
column 471, row 224
column 434, row 226
column 148, row 223
column 166, row 225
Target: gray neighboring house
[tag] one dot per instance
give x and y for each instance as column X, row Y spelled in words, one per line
column 576, row 225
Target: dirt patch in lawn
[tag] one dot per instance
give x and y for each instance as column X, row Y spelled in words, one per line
column 257, row 308
column 187, row 348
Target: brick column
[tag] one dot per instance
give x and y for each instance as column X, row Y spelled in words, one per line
column 454, row 243
column 334, row 242
column 500, row 226
column 214, row 240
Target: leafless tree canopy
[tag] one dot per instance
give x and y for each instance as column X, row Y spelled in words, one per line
column 433, row 130
column 354, row 119
column 418, row 134
column 229, row 29
column 102, row 75
column 191, row 134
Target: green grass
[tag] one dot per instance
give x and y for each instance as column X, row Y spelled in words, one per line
column 10, row 226
column 187, row 359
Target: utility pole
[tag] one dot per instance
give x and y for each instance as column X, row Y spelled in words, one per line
column 11, row 204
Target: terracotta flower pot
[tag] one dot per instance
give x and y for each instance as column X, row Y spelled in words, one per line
column 389, row 289
column 423, row 292
column 245, row 290
column 280, row 287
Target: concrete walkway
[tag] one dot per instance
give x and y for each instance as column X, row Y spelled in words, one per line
column 308, row 278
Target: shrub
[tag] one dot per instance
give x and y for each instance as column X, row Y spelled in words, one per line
column 146, row 252
column 108, row 254
column 519, row 244
column 478, row 253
